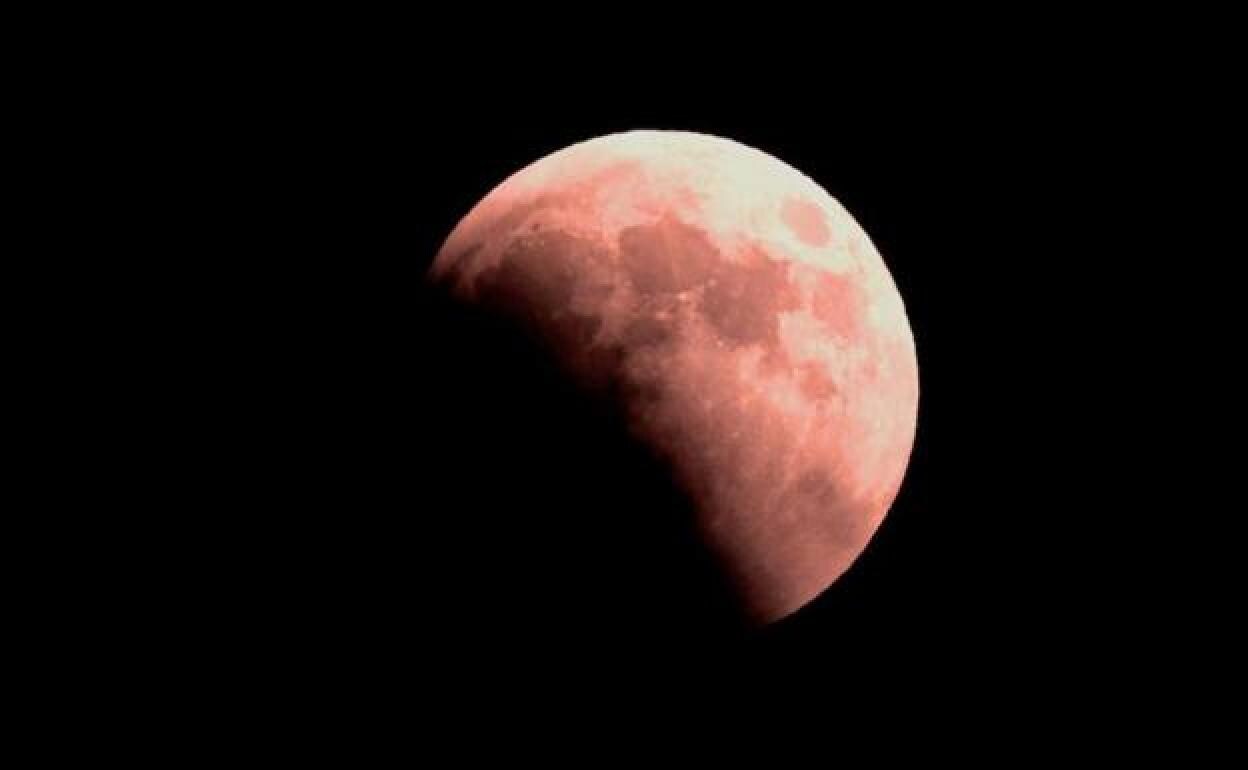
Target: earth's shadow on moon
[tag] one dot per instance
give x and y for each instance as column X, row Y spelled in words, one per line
column 564, row 533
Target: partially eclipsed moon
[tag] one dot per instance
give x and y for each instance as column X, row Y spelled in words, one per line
column 748, row 324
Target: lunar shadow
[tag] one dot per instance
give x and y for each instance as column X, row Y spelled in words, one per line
column 425, row 507
column 557, row 537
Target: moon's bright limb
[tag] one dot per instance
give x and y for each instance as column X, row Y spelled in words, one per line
column 748, row 324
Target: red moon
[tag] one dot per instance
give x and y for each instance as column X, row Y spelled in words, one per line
column 762, row 346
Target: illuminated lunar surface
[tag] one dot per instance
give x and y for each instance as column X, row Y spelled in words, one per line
column 744, row 321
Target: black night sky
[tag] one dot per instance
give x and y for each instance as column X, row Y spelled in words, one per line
column 405, row 502
column 487, row 502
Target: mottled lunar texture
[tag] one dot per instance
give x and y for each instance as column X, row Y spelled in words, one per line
column 745, row 323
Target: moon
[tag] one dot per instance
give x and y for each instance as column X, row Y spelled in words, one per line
column 741, row 320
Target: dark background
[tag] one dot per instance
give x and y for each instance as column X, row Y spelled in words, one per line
column 368, row 502
column 442, row 485
column 286, row 499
